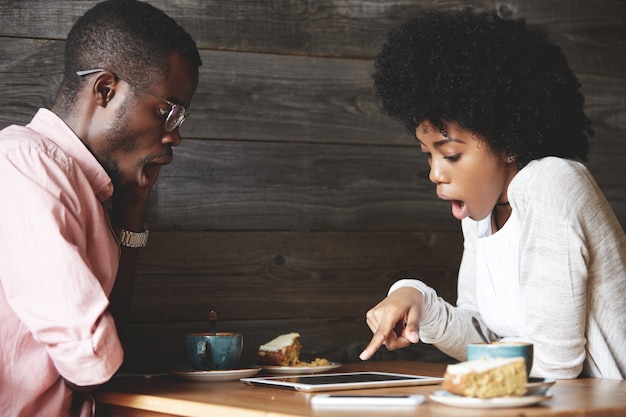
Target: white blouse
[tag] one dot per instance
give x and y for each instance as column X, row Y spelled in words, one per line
column 498, row 277
column 554, row 275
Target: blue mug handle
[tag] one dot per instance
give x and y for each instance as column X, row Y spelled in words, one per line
column 204, row 352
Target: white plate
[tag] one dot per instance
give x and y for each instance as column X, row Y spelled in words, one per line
column 216, row 376
column 301, row 370
column 444, row 397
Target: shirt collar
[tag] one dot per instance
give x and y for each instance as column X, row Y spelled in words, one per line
column 53, row 127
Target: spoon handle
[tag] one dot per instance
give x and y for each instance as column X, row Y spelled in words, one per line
column 480, row 330
column 212, row 322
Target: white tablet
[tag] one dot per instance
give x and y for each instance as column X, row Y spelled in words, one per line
column 342, row 381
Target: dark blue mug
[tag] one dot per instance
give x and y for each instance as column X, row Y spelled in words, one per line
column 218, row 351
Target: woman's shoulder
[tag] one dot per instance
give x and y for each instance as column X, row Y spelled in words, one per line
column 555, row 185
column 552, row 167
column 553, row 176
column 559, row 186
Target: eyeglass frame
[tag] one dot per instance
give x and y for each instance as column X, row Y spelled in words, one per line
column 177, row 123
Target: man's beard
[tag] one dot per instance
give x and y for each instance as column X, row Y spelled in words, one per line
column 115, row 173
column 119, row 138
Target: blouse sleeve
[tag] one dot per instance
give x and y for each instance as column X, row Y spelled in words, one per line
column 447, row 326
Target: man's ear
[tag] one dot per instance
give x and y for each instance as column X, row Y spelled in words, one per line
column 104, row 88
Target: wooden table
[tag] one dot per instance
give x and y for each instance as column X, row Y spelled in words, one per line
column 124, row 397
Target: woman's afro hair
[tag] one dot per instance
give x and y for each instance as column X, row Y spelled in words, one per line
column 493, row 76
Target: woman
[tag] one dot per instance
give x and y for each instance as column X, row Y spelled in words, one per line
column 499, row 116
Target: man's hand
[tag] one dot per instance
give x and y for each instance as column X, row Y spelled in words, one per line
column 130, row 202
column 130, row 207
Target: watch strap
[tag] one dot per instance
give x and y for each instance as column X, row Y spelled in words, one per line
column 133, row 239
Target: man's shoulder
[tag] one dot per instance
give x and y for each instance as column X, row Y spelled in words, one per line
column 23, row 146
column 13, row 132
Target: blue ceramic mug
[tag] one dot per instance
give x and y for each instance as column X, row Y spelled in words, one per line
column 502, row 350
column 218, row 351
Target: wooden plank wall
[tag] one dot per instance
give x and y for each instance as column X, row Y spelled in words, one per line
column 293, row 202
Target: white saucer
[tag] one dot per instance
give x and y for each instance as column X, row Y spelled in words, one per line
column 301, row 370
column 539, row 386
column 444, row 397
column 216, row 376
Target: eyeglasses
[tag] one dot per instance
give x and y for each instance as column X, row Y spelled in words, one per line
column 176, row 114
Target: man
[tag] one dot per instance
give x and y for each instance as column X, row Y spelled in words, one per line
column 75, row 184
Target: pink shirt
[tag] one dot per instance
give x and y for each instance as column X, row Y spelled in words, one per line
column 58, row 262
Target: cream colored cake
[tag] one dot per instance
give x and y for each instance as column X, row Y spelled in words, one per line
column 487, row 378
column 284, row 350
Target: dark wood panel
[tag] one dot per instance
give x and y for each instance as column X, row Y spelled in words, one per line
column 604, row 104
column 240, row 96
column 331, row 102
column 30, row 74
column 159, row 346
column 271, row 97
column 301, row 99
column 606, row 163
column 256, row 97
column 592, row 32
column 289, row 186
column 280, row 275
column 263, row 284
column 282, row 186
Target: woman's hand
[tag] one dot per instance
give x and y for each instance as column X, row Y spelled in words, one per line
column 394, row 321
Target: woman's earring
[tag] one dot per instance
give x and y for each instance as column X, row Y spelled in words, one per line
column 510, row 159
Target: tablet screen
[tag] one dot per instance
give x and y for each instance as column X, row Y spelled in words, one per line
column 341, row 381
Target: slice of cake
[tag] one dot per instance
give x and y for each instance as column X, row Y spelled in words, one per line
column 281, row 351
column 487, row 378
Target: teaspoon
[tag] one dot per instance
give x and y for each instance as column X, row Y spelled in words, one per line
column 480, row 330
column 212, row 323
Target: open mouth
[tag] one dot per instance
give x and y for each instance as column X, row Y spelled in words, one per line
column 459, row 210
column 149, row 172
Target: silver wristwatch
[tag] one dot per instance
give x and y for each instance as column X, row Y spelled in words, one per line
column 133, row 239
